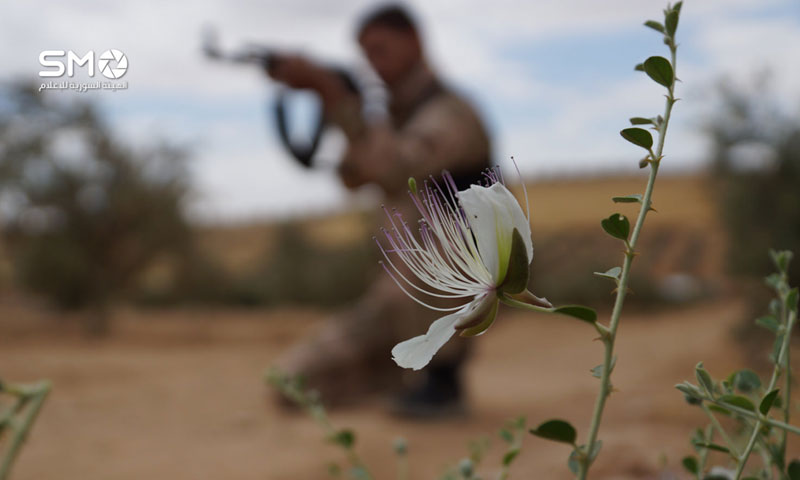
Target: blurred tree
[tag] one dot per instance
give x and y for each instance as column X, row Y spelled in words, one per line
column 756, row 174
column 82, row 214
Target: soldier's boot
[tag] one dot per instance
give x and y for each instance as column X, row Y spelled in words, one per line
column 439, row 395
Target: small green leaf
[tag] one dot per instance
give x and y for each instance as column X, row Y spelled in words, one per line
column 768, row 401
column 690, row 464
column 612, row 273
column 690, row 393
column 506, row 435
column 617, row 225
column 718, row 409
column 774, row 281
column 776, row 348
column 638, row 136
column 746, row 380
column 774, row 307
column 572, row 462
column 794, row 470
column 641, row 121
column 345, row 438
column 713, row 446
column 639, row 67
column 597, row 371
column 660, row 70
column 655, row 25
column 556, row 430
column 769, row 322
column 510, row 456
column 688, row 389
column 704, row 378
column 792, row 299
column 635, row 198
column 781, row 258
column 671, row 22
column 738, row 401
column 577, row 311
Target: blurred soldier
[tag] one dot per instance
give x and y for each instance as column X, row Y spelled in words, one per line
column 430, row 129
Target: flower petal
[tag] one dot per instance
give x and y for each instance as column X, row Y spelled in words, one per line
column 493, row 214
column 417, row 352
column 485, row 322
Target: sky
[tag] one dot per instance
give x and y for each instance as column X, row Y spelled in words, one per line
column 553, row 78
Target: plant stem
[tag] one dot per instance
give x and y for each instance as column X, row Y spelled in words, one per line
column 708, row 437
column 721, row 430
column 586, row 460
column 787, row 381
column 752, row 415
column 36, row 395
column 776, row 372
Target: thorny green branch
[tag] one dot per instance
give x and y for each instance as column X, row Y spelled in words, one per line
column 585, row 459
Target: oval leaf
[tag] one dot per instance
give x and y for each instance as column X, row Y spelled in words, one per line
column 768, row 401
column 617, row 225
column 671, row 22
column 638, row 136
column 345, row 438
column 654, row 25
column 746, row 381
column 704, row 378
column 635, row 198
column 556, row 430
column 660, row 70
column 738, row 401
column 577, row 311
column 612, row 273
column 510, row 456
column 641, row 121
column 769, row 322
column 713, row 446
column 720, row 410
column 792, row 299
column 690, row 464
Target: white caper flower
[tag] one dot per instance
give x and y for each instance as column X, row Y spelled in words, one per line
column 474, row 245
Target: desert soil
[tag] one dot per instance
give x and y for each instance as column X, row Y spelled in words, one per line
column 178, row 394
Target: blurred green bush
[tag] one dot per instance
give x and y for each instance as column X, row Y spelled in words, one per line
column 756, row 176
column 83, row 214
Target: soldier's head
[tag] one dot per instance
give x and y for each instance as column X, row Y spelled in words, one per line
column 391, row 42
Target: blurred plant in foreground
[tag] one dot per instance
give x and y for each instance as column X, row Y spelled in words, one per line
column 466, row 469
column 17, row 419
column 82, row 214
column 744, row 398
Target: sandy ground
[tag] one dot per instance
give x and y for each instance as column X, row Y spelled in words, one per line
column 178, row 395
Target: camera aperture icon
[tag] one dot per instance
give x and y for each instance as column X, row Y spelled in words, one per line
column 112, row 63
